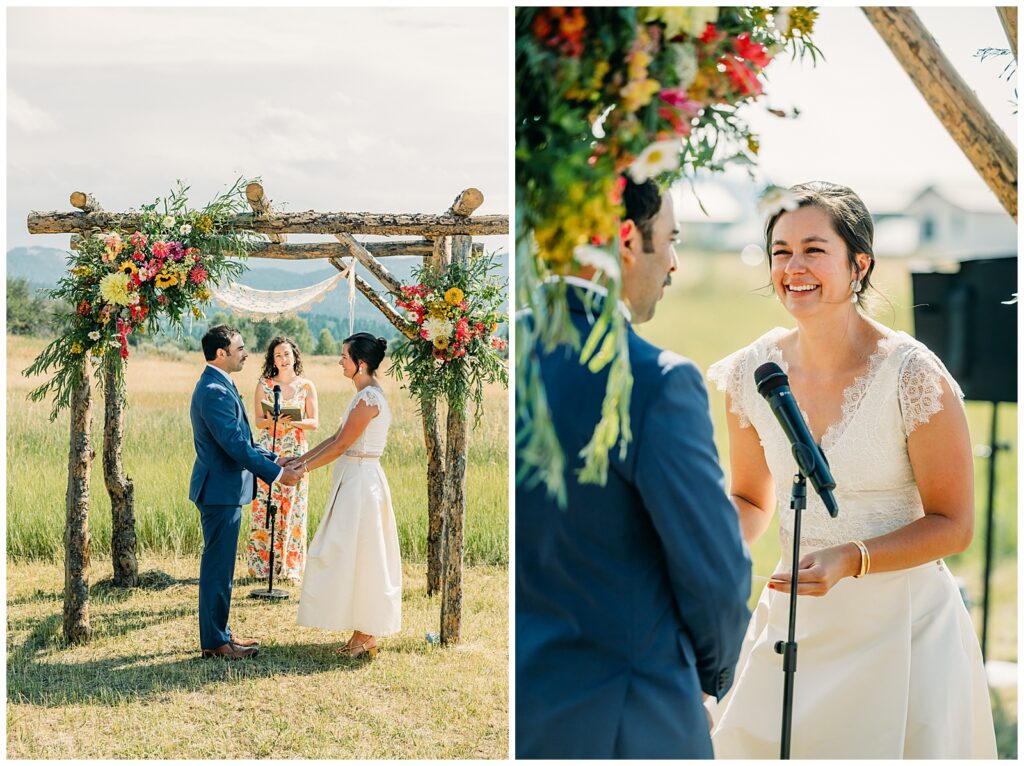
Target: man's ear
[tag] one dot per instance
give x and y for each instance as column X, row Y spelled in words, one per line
column 628, row 235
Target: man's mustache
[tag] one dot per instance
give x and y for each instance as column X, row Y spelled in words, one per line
column 668, row 280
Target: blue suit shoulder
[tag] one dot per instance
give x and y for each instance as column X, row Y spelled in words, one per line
column 655, row 368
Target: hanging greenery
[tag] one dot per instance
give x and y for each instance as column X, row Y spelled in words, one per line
column 657, row 93
column 457, row 313
column 124, row 281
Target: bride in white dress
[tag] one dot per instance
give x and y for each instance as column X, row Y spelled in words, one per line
column 889, row 664
column 353, row 577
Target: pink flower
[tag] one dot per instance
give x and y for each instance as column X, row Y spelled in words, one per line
column 139, row 240
column 161, row 249
column 198, row 275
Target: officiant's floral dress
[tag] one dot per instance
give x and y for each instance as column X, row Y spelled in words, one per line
column 291, row 502
column 889, row 664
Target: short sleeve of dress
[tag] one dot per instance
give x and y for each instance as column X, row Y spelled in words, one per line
column 371, row 395
column 920, row 387
column 728, row 375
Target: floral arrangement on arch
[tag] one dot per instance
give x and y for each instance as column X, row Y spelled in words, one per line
column 655, row 92
column 126, row 281
column 457, row 313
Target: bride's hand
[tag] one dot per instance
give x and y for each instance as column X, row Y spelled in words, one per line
column 821, row 570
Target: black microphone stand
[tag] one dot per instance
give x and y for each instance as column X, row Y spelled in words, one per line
column 787, row 648
column 270, row 593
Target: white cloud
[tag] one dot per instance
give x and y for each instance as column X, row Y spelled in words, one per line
column 26, row 116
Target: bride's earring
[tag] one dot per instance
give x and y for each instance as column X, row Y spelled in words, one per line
column 855, row 286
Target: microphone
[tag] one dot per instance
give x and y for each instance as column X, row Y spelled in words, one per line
column 773, row 385
column 277, row 402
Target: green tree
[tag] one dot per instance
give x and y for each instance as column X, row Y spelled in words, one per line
column 27, row 313
column 326, row 346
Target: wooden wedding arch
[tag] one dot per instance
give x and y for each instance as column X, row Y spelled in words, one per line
column 443, row 239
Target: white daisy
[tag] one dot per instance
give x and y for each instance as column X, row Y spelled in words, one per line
column 595, row 257
column 776, row 199
column 659, row 157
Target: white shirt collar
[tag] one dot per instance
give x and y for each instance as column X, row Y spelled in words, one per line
column 221, row 372
column 586, row 284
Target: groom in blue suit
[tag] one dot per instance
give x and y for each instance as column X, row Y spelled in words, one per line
column 222, row 482
column 632, row 600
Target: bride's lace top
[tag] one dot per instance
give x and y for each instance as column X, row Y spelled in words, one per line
column 373, row 440
column 866, row 448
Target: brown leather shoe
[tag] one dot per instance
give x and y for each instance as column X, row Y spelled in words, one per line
column 244, row 641
column 231, row 651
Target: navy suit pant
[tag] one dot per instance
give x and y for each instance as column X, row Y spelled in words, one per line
column 217, row 571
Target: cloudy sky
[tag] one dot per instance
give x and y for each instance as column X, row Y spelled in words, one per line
column 338, row 109
column 863, row 122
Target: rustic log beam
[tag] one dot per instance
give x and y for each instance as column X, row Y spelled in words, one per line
column 454, row 525
column 308, row 222
column 77, row 629
column 362, row 255
column 261, row 206
column 1008, row 18
column 987, row 147
column 312, row 250
column 435, row 494
column 406, row 328
column 86, row 202
column 123, row 542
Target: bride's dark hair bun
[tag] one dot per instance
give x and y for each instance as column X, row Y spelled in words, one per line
column 363, row 347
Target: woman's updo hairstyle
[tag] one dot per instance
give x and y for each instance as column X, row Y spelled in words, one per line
column 363, row 347
column 849, row 216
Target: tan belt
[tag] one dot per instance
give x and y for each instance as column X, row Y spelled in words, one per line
column 361, row 456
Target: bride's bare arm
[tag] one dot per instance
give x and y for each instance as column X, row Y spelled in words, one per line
column 329, row 449
column 752, row 488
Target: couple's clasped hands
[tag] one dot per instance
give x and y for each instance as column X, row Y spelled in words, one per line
column 294, row 470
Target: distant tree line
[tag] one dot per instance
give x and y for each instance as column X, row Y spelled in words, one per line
column 31, row 312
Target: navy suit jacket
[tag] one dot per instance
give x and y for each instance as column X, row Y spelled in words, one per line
column 632, row 599
column 226, row 455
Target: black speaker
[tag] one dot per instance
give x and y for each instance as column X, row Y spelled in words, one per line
column 962, row 317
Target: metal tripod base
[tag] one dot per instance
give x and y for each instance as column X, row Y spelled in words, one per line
column 269, row 595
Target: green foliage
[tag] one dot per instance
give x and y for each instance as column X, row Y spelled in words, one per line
column 326, row 345
column 27, row 312
column 456, row 312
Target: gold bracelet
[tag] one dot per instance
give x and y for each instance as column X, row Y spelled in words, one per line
column 865, row 558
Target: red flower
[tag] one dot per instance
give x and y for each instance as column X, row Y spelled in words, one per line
column 499, row 343
column 617, row 189
column 198, row 274
column 161, row 249
column 568, row 37
column 138, row 240
column 711, row 34
column 83, row 308
column 743, row 79
column 752, row 51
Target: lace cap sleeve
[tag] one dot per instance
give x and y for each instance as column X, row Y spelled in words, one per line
column 728, row 375
column 371, row 395
column 920, row 387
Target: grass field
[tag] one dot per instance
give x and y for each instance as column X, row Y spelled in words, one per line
column 716, row 306
column 139, row 690
column 158, row 455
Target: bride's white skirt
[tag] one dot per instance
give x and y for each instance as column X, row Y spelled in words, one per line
column 353, row 578
column 888, row 666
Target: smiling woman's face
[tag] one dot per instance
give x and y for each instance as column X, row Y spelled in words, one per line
column 811, row 269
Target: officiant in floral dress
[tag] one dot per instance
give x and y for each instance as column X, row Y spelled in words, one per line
column 283, row 367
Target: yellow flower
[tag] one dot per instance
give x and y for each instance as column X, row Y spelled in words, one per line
column 205, row 224
column 638, row 93
column 165, row 280
column 688, row 21
column 801, row 21
column 76, row 348
column 196, row 312
column 203, row 294
column 494, row 327
column 114, row 288
column 82, row 271
column 441, row 343
column 453, row 296
column 127, row 267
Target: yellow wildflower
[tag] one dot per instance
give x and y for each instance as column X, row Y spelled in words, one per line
column 638, row 93
column 801, row 21
column 688, row 21
column 196, row 312
column 453, row 296
column 205, row 224
column 203, row 294
column 127, row 267
column 76, row 348
column 114, row 288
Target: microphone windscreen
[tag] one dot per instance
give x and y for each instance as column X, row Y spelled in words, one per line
column 768, row 377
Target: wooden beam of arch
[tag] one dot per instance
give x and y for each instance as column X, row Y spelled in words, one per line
column 987, row 147
column 361, row 254
column 261, row 206
column 406, row 328
column 308, row 222
column 1008, row 18
column 305, row 251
